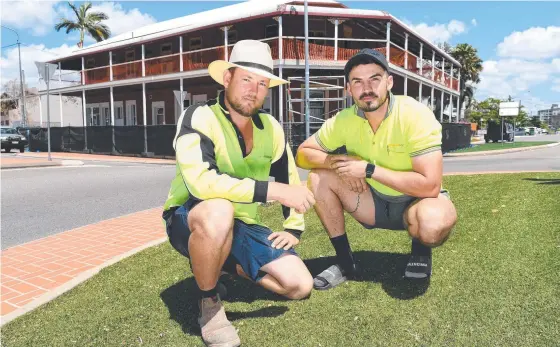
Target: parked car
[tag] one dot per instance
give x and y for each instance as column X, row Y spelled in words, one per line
column 10, row 138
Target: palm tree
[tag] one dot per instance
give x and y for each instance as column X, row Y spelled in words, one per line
column 471, row 67
column 90, row 22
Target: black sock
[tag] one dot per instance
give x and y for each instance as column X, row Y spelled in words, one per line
column 208, row 293
column 343, row 253
column 419, row 249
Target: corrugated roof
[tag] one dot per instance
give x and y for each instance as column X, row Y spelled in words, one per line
column 252, row 8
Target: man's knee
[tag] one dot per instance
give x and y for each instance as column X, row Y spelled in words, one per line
column 434, row 223
column 212, row 219
column 299, row 289
column 320, row 178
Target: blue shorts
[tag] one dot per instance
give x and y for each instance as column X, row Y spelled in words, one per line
column 250, row 246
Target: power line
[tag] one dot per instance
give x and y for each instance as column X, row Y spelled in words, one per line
column 14, row 44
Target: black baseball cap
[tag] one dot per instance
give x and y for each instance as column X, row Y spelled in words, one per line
column 366, row 56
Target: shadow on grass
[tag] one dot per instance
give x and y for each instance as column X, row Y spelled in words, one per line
column 181, row 301
column 544, row 180
column 379, row 267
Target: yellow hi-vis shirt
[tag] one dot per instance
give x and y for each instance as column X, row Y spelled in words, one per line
column 409, row 129
column 212, row 162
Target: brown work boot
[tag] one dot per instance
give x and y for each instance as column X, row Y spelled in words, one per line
column 217, row 331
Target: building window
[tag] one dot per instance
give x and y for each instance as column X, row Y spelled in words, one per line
column 271, row 31
column 90, row 63
column 195, row 43
column 166, row 49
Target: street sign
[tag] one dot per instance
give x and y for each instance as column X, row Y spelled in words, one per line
column 46, row 70
column 509, row 108
column 509, row 112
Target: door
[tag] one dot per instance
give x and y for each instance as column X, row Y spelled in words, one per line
column 95, row 116
column 158, row 112
column 119, row 114
column 131, row 113
column 105, row 118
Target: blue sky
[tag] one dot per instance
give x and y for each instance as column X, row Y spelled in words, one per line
column 519, row 41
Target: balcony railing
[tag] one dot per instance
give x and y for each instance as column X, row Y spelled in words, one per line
column 321, row 50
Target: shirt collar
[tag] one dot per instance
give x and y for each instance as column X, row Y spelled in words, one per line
column 255, row 117
column 362, row 114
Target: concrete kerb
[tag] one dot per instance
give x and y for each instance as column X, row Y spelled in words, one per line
column 84, row 276
column 500, row 151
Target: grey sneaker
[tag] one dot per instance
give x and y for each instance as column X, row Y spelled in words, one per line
column 216, row 329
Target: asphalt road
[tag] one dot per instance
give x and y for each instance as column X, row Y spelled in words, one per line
column 39, row 202
column 43, row 201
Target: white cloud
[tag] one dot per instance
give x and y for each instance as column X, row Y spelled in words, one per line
column 9, row 66
column 37, row 16
column 533, row 43
column 440, row 32
column 120, row 20
column 474, row 22
column 501, row 78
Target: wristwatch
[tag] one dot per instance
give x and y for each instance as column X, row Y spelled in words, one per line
column 370, row 168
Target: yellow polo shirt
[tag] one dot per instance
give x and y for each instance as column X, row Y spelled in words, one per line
column 409, row 129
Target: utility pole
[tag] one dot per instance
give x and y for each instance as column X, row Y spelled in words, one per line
column 23, row 114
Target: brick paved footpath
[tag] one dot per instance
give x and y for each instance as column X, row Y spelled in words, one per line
column 36, row 272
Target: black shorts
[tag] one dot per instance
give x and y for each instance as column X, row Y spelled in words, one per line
column 389, row 210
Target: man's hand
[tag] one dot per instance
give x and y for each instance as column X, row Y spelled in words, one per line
column 297, row 197
column 284, row 240
column 358, row 185
column 346, row 166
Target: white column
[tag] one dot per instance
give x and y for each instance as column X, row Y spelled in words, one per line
column 458, row 110
column 110, row 66
column 144, row 113
column 441, row 110
column 280, row 61
column 451, row 108
column 443, row 71
column 406, row 51
column 83, row 72
column 433, row 65
column 60, row 95
column 225, row 43
column 388, row 46
column 181, row 56
column 336, row 39
column 432, row 98
column 406, row 85
column 459, row 80
column 111, row 106
column 85, row 117
column 420, row 92
column 421, row 59
column 181, row 102
column 143, row 61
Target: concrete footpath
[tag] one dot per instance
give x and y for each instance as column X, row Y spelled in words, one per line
column 18, row 163
column 96, row 157
column 500, row 151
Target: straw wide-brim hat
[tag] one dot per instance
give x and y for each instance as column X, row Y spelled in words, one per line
column 251, row 55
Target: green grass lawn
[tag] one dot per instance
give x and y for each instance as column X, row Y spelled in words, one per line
column 495, row 283
column 505, row 145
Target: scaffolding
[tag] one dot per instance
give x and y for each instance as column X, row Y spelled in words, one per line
column 294, row 120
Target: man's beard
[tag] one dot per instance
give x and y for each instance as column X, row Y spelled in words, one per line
column 371, row 106
column 243, row 110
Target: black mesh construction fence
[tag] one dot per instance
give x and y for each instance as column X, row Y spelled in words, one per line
column 160, row 139
column 129, row 139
